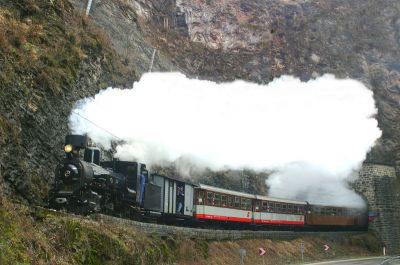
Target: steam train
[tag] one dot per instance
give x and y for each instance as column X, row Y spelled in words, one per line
column 84, row 184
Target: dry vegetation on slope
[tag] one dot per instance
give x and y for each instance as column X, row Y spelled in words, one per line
column 45, row 237
column 50, row 56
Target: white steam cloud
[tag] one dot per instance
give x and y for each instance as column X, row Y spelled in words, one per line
column 312, row 135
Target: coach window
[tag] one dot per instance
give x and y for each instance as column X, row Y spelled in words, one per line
column 264, row 206
column 339, row 211
column 243, row 204
column 284, row 208
column 230, row 201
column 237, row 202
column 210, row 198
column 217, row 199
column 328, row 211
column 248, row 204
column 223, row 200
column 290, row 208
column 299, row 209
column 271, row 206
column 200, row 197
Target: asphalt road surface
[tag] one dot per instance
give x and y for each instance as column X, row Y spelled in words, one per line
column 365, row 261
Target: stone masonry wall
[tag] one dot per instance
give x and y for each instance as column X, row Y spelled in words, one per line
column 213, row 234
column 380, row 187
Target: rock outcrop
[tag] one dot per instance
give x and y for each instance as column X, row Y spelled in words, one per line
column 264, row 39
column 50, row 57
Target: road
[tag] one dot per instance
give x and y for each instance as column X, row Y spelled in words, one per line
column 364, row 261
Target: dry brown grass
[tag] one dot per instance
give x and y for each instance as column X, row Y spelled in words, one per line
column 46, row 237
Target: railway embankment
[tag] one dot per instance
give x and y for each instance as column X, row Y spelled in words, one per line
column 216, row 234
column 40, row 236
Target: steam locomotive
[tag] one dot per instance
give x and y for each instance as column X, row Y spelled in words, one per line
column 84, row 184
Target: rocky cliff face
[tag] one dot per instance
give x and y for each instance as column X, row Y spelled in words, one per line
column 50, row 56
column 265, row 39
column 221, row 40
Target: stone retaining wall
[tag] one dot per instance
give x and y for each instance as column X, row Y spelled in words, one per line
column 380, row 187
column 213, row 234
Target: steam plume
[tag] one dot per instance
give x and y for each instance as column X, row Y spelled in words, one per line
column 313, row 135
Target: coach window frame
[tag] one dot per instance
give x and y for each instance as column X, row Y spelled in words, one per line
column 339, row 212
column 290, row 208
column 272, row 207
column 284, row 208
column 210, row 199
column 230, row 201
column 245, row 203
column 264, row 206
column 278, row 207
column 200, row 195
column 237, row 202
column 217, row 199
column 257, row 205
column 224, row 200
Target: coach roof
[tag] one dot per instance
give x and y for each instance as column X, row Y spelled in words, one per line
column 230, row 192
column 265, row 198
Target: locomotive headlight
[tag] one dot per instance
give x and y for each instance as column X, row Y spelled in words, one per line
column 68, row 148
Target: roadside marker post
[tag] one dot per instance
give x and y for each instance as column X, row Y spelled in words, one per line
column 262, row 252
column 326, row 247
column 302, row 251
column 242, row 253
column 89, row 4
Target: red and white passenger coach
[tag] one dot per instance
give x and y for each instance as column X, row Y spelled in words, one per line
column 218, row 204
column 213, row 203
column 280, row 212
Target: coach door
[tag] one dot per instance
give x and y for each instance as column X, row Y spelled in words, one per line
column 199, row 201
column 254, row 208
column 188, row 199
column 180, row 198
column 169, row 196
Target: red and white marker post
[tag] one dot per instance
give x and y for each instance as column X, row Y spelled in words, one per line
column 326, row 247
column 262, row 252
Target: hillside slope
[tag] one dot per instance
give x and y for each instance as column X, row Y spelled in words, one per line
column 37, row 236
column 51, row 56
